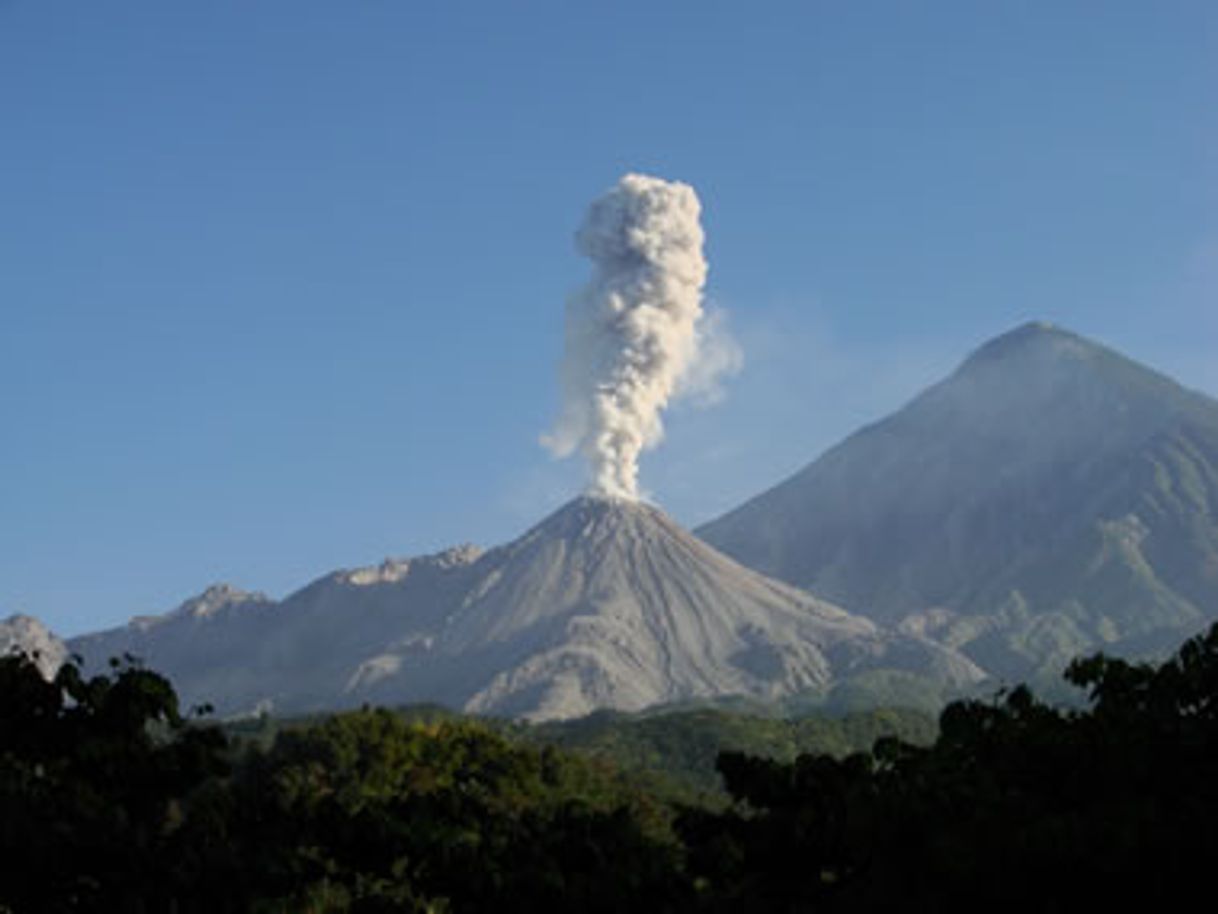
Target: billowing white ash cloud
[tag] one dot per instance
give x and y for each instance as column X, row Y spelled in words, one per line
column 636, row 335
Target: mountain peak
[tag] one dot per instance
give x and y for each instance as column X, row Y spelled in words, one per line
column 593, row 510
column 391, row 570
column 1032, row 330
column 1062, row 385
column 216, row 597
column 599, row 502
column 211, row 601
column 1040, row 356
column 1033, row 339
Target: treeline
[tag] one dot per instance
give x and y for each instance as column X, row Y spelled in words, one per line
column 671, row 752
column 112, row 800
column 677, row 750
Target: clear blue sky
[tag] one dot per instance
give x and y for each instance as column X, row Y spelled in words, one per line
column 282, row 282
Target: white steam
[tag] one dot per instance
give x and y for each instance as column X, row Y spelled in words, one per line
column 636, row 336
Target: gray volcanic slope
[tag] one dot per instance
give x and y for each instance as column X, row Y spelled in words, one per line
column 1049, row 498
column 606, row 603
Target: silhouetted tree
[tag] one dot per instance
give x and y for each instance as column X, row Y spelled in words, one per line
column 96, row 783
column 1017, row 806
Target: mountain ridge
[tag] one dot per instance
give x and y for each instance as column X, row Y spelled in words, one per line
column 604, row 603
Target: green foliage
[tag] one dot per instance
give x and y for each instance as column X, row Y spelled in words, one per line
column 382, row 812
column 675, row 751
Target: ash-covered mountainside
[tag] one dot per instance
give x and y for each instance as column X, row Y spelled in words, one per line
column 605, row 604
column 1049, row 497
column 25, row 634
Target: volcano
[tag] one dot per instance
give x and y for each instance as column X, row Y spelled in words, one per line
column 1050, row 498
column 607, row 603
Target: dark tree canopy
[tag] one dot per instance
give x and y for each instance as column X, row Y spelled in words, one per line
column 96, row 780
column 1017, row 805
column 111, row 800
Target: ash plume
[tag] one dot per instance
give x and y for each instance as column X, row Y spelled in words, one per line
column 636, row 337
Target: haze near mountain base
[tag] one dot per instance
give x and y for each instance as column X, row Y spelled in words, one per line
column 635, row 334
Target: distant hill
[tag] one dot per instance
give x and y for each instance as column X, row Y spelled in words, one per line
column 1049, row 498
column 607, row 603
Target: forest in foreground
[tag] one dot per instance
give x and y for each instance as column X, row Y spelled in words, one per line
column 114, row 799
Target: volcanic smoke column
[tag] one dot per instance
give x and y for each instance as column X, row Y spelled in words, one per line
column 634, row 333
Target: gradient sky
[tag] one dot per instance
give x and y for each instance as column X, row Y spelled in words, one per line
column 282, row 282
